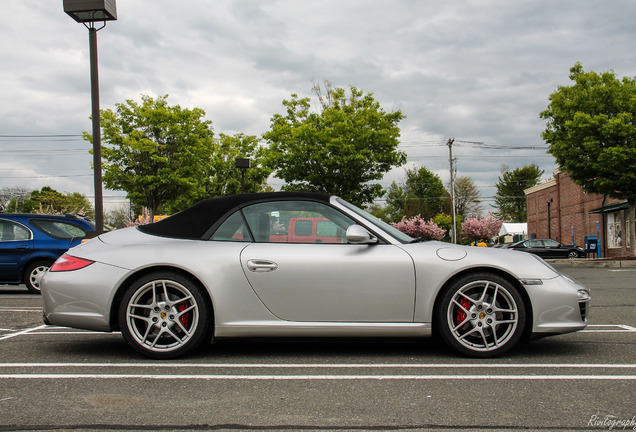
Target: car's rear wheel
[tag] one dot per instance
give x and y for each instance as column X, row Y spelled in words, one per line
column 164, row 315
column 480, row 315
column 34, row 273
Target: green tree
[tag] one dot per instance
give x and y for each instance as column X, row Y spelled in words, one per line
column 445, row 221
column 226, row 178
column 48, row 200
column 342, row 149
column 510, row 200
column 591, row 131
column 158, row 154
column 467, row 197
column 422, row 193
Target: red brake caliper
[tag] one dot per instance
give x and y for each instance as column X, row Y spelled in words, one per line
column 461, row 315
column 185, row 318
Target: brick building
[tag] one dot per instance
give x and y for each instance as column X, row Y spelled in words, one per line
column 560, row 210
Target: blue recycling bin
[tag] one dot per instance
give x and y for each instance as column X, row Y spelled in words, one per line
column 592, row 246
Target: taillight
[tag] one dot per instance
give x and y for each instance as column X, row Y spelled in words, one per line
column 68, row 263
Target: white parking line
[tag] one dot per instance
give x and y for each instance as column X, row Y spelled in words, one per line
column 323, row 377
column 608, row 328
column 325, row 365
column 528, row 376
column 20, row 333
column 21, row 309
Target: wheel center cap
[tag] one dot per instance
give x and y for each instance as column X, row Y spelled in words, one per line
column 163, row 315
column 482, row 315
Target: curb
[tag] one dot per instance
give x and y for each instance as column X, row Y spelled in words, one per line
column 595, row 263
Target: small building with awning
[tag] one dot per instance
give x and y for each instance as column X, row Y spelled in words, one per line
column 512, row 232
column 559, row 209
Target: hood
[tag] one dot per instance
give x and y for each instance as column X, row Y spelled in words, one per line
column 457, row 258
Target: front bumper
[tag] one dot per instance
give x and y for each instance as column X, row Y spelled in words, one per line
column 558, row 306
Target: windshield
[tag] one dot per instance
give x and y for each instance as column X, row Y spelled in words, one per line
column 399, row 235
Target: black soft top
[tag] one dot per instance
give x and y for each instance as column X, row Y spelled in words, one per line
column 194, row 222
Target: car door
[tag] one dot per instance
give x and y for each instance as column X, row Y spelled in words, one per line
column 328, row 282
column 554, row 249
column 324, row 281
column 16, row 244
column 57, row 236
column 535, row 247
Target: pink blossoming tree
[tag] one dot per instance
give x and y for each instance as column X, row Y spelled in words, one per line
column 418, row 228
column 481, row 228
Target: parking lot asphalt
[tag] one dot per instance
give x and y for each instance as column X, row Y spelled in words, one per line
column 54, row 378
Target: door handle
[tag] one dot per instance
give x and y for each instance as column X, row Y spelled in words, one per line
column 261, row 265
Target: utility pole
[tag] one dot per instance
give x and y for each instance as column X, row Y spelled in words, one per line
column 452, row 189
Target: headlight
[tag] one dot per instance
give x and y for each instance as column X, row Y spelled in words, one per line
column 583, row 295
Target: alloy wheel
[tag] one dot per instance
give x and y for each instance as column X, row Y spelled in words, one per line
column 162, row 316
column 483, row 316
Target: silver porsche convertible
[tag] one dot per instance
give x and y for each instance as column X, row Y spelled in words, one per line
column 287, row 264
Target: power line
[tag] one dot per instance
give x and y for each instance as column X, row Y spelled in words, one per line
column 47, row 176
column 44, row 151
column 479, row 144
column 40, row 136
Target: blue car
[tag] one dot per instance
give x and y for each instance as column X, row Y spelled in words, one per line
column 30, row 243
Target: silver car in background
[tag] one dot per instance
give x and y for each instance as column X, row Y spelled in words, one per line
column 296, row 264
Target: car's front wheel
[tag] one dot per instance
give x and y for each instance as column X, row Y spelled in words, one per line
column 33, row 275
column 164, row 315
column 480, row 315
column 573, row 254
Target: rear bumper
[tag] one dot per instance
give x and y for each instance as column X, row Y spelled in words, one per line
column 71, row 301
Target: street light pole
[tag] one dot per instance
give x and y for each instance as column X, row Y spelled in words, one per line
column 88, row 12
column 452, row 190
column 549, row 222
column 97, row 132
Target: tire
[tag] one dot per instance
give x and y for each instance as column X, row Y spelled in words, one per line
column 573, row 254
column 33, row 275
column 480, row 315
column 164, row 315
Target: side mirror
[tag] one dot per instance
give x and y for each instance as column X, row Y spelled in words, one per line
column 358, row 235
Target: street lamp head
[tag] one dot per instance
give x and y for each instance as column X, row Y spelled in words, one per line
column 87, row 11
column 242, row 162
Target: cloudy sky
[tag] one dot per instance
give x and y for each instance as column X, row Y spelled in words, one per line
column 476, row 71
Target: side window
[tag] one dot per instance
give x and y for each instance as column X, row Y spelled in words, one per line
column 10, row 231
column 296, row 222
column 233, row 229
column 303, row 227
column 551, row 243
column 59, row 229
